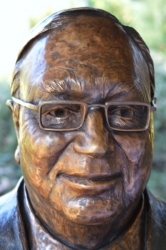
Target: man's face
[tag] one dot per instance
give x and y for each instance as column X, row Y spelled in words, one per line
column 91, row 175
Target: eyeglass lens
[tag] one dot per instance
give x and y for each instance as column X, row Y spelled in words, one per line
column 127, row 117
column 61, row 116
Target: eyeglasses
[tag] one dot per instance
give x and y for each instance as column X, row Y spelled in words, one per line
column 70, row 115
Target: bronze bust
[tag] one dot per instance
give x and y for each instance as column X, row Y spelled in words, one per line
column 82, row 105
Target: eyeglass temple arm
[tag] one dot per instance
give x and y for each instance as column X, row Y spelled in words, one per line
column 34, row 107
column 154, row 106
column 25, row 104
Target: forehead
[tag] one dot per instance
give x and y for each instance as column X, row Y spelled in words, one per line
column 90, row 54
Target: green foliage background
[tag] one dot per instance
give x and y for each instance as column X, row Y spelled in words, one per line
column 149, row 19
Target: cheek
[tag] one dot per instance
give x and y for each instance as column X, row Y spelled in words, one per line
column 40, row 143
column 39, row 150
column 137, row 149
column 135, row 145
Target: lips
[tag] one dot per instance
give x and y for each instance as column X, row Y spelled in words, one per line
column 93, row 184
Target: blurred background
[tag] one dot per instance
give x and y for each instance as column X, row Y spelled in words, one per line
column 17, row 17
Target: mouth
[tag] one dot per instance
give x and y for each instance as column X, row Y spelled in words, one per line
column 91, row 184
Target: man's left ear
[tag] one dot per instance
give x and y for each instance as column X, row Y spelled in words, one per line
column 17, row 154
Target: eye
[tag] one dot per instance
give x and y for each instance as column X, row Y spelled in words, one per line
column 125, row 112
column 59, row 113
column 122, row 111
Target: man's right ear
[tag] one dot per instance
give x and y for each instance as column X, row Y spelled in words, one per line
column 14, row 108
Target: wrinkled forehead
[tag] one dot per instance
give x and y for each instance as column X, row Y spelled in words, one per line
column 81, row 51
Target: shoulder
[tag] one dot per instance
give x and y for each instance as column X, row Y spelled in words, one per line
column 156, row 221
column 11, row 223
column 157, row 209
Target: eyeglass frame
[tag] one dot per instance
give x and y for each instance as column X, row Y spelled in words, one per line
column 151, row 108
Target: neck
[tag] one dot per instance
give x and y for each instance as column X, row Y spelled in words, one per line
column 79, row 236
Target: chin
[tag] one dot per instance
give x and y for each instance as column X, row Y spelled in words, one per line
column 93, row 210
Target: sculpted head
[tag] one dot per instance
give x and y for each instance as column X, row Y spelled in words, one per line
column 90, row 172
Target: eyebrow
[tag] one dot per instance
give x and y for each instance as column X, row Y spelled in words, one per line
column 85, row 96
column 64, row 84
column 55, row 86
column 62, row 90
column 118, row 90
column 72, row 95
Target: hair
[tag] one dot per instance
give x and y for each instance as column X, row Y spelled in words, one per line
column 59, row 19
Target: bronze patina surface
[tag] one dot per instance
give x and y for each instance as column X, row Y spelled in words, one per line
column 83, row 102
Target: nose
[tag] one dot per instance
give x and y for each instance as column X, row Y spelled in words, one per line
column 94, row 139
